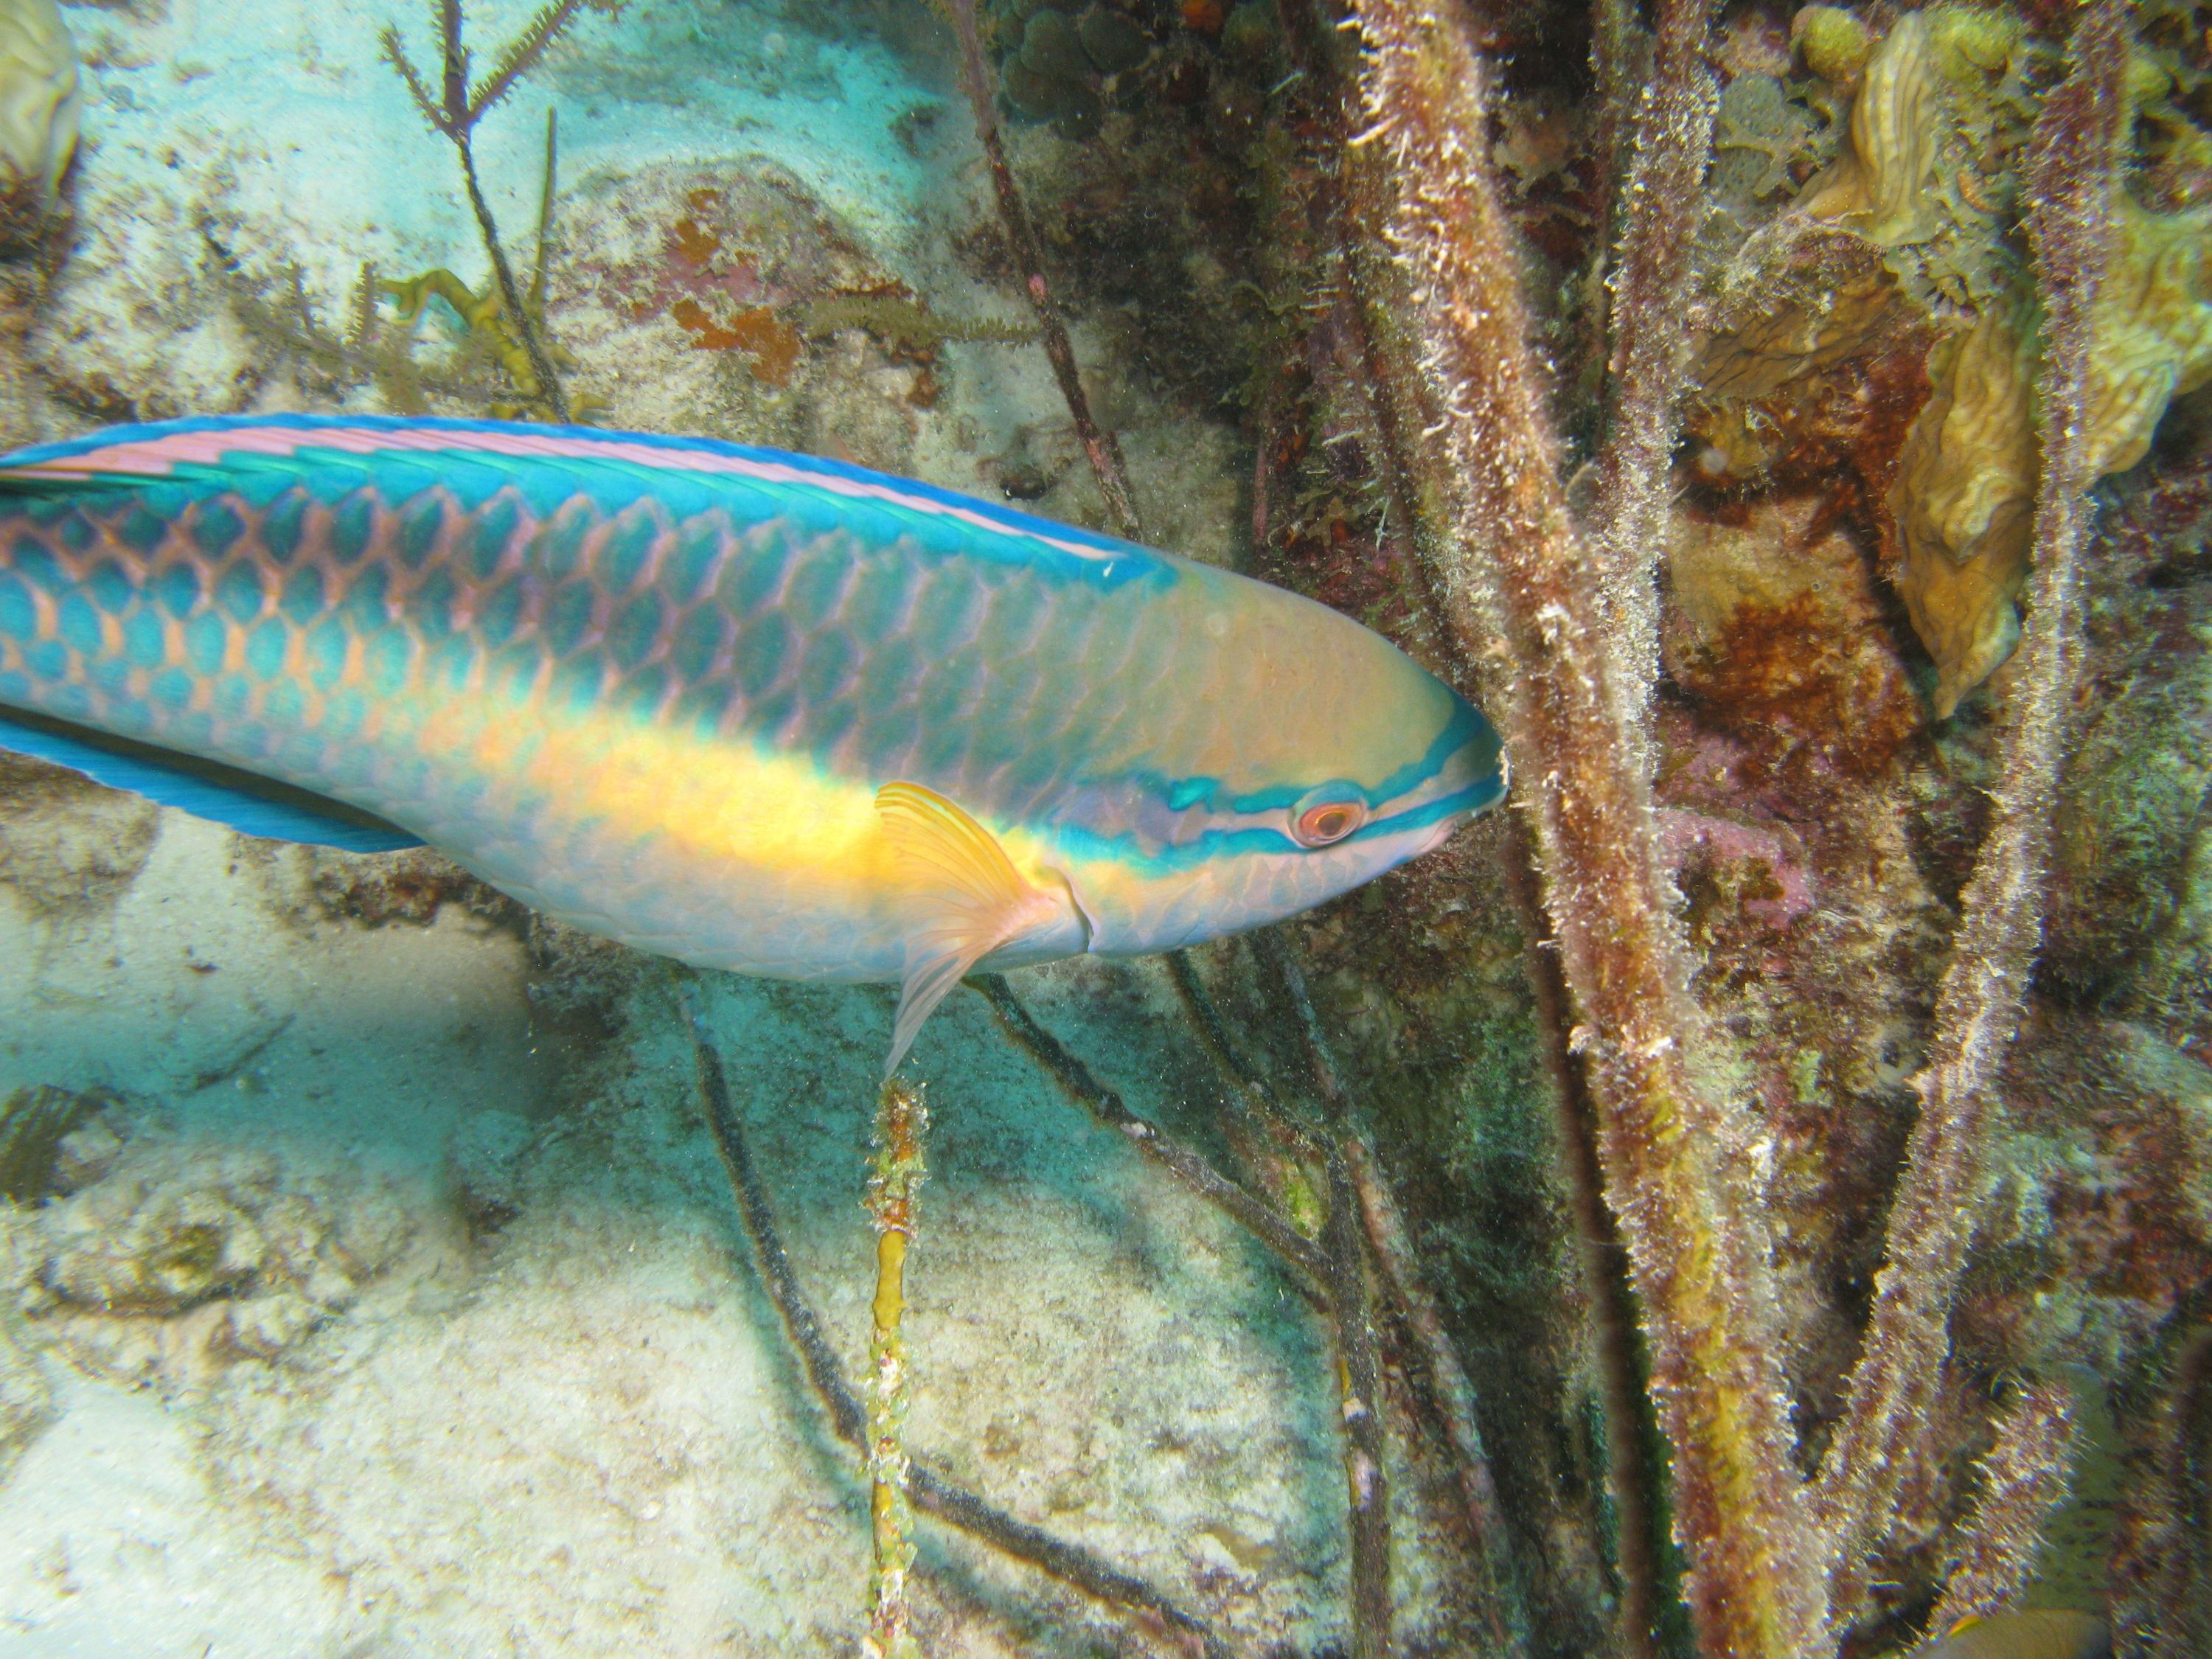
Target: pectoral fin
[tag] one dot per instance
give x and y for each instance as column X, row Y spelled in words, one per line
column 963, row 897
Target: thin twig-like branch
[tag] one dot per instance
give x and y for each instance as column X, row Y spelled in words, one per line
column 1446, row 1391
column 1264, row 1222
column 1247, row 1084
column 524, row 50
column 455, row 113
column 547, row 187
column 1360, row 1385
column 1440, row 1383
column 454, row 59
column 1616, row 44
column 1630, row 1479
column 1665, row 200
column 1099, row 444
column 2072, row 174
column 894, row 1205
column 1357, row 1371
column 395, row 55
column 932, row 1493
column 525, row 326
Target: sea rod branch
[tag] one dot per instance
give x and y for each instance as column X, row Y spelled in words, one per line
column 2072, row 172
column 1516, row 574
column 1663, row 202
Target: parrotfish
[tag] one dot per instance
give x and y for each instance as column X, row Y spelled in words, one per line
column 748, row 709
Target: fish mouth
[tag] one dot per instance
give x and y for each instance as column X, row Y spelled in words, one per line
column 1482, row 778
column 1443, row 833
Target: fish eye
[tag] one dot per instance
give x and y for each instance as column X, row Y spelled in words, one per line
column 1327, row 822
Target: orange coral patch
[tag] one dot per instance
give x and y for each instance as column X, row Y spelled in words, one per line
column 772, row 345
column 690, row 245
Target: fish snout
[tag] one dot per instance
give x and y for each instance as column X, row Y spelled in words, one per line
column 1473, row 777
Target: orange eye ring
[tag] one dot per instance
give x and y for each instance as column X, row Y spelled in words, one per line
column 1325, row 822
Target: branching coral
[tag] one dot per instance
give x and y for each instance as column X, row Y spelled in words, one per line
column 1664, row 202
column 1777, row 1565
column 1671, row 1146
column 2023, row 1479
column 2073, row 178
column 455, row 110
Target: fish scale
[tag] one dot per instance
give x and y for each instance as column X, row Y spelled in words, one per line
column 654, row 686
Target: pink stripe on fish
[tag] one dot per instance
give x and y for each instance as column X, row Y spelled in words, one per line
column 158, row 456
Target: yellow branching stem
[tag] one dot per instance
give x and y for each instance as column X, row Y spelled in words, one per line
column 454, row 108
column 2072, row 171
column 933, row 1493
column 1662, row 205
column 1519, row 582
column 2024, row 1477
column 893, row 1193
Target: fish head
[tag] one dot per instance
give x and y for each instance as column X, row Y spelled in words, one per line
column 1311, row 755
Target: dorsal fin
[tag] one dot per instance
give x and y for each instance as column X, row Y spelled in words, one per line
column 244, row 801
column 963, row 895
